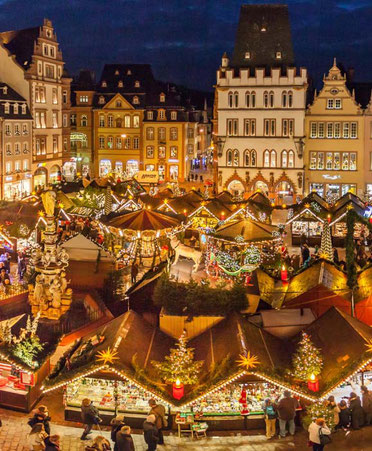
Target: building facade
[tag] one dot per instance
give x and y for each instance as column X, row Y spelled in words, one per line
column 335, row 140
column 36, row 51
column 15, row 145
column 260, row 108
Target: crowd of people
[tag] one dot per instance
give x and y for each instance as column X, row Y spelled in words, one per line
column 86, row 226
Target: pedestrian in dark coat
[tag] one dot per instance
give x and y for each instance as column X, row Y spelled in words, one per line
column 124, row 440
column 357, row 414
column 344, row 416
column 40, row 415
column 367, row 404
column 116, row 424
column 52, row 443
column 150, row 433
column 134, row 272
column 89, row 416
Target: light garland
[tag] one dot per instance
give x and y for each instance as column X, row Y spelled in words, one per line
column 301, row 213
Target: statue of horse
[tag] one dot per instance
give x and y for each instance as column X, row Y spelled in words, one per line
column 186, row 251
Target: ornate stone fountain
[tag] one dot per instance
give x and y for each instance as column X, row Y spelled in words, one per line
column 49, row 294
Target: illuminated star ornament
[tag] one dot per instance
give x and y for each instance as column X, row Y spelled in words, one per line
column 107, row 356
column 369, row 345
column 248, row 361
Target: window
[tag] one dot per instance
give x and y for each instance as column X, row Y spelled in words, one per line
column 230, row 99
column 321, row 130
column 25, row 129
column 127, row 121
column 353, row 130
column 247, row 158
column 54, row 96
column 250, row 127
column 253, row 158
column 173, row 133
column 352, row 165
column 6, row 108
column 266, row 159
column 190, row 133
column 291, row 157
column 8, row 130
column 43, row 146
column 236, row 99
column 161, row 114
column 290, row 99
column 161, row 134
column 25, row 165
column 101, row 100
column 232, row 127
column 329, row 160
column 278, row 55
column 8, row 167
column 25, row 148
column 24, row 108
column 346, row 130
column 65, row 145
column 321, row 160
column 137, row 84
column 110, row 120
column 15, row 108
column 336, row 161
column 51, row 51
column 329, row 129
column 173, row 115
column 150, row 167
column 118, row 104
column 64, row 121
column 84, row 99
column 247, row 55
column 73, row 119
column 120, row 84
column 253, row 99
column 37, row 94
column 338, row 104
column 55, row 119
column 334, row 104
column 127, row 143
column 174, row 152
column 110, row 142
column 8, row 150
column 149, row 152
column 135, row 100
column 269, row 127
column 287, row 127
column 190, row 149
column 337, row 130
column 330, row 104
column 284, row 158
column 248, row 99
column 45, row 50
column 42, row 94
column 118, row 142
column 345, row 161
column 150, row 133
column 84, row 121
column 101, row 142
column 17, row 131
column 162, row 97
column 17, row 166
column 150, row 115
column 271, row 97
column 284, row 99
column 55, row 144
column 161, row 152
column 136, row 142
column 42, row 119
column 273, row 159
column 266, row 99
column 17, row 149
column 236, row 157
column 101, row 120
column 64, row 96
column 104, row 84
column 229, row 157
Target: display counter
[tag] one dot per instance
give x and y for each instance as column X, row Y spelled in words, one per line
column 339, row 231
column 312, row 230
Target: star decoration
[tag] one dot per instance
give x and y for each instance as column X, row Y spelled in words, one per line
column 107, row 356
column 248, row 361
column 369, row 345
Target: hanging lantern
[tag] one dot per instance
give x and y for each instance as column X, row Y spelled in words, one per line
column 329, row 218
column 284, row 274
column 313, row 383
column 178, row 389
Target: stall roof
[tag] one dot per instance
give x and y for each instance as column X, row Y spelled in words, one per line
column 141, row 220
column 20, row 213
column 250, row 230
column 262, row 201
column 313, row 196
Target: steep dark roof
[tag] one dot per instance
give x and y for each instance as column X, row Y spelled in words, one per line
column 11, row 96
column 263, row 30
column 21, row 44
column 363, row 92
column 128, row 74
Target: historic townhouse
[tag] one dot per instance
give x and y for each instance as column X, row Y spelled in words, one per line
column 34, row 54
column 260, row 108
column 15, row 145
column 335, row 140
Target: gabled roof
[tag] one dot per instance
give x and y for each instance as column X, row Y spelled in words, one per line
column 12, row 96
column 20, row 43
column 128, row 74
column 251, row 231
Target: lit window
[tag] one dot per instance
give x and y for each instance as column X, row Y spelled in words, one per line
column 149, row 152
column 6, row 108
column 101, row 120
column 55, row 144
column 136, row 121
column 15, row 108
column 161, row 114
column 162, row 97
column 330, row 104
column 127, row 121
column 84, row 121
column 278, row 55
column 173, row 115
column 338, row 104
column 84, row 99
column 173, row 133
column 110, row 121
column 120, row 84
column 161, row 134
column 101, row 100
column 104, row 84
column 174, row 152
column 55, row 119
column 247, row 55
column 54, row 96
column 150, row 115
column 136, row 142
column 229, row 158
column 291, row 159
column 101, row 142
column 135, row 100
column 273, row 159
column 266, row 159
column 150, row 133
column 137, row 84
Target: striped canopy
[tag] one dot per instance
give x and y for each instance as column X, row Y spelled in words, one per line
column 144, row 220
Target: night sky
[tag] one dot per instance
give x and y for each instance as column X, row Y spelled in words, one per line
column 184, row 39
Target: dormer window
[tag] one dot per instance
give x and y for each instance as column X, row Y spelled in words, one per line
column 278, row 55
column 116, row 72
column 137, row 84
column 173, row 115
column 263, row 28
column 49, row 34
column 129, row 72
column 15, row 106
column 101, row 100
column 5, row 90
column 161, row 114
column 120, row 84
column 150, row 115
column 247, row 55
column 104, row 84
column 24, row 108
column 135, row 100
column 51, row 52
column 118, row 104
column 6, row 108
column 162, row 97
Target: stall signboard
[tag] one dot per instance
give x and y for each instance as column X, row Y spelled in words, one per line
column 27, row 379
column 147, row 177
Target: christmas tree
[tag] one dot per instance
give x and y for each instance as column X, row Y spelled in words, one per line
column 319, row 410
column 179, row 364
column 108, row 201
column 326, row 243
column 307, row 360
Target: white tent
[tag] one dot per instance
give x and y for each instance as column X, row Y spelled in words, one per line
column 81, row 248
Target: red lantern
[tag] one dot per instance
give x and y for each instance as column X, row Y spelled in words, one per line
column 329, row 218
column 178, row 389
column 284, row 274
column 313, row 383
column 370, row 219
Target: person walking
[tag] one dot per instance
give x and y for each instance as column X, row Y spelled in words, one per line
column 36, row 437
column 317, row 429
column 134, row 272
column 160, row 422
column 116, row 424
column 90, row 417
column 286, row 412
column 344, row 416
column 150, row 433
column 124, row 440
column 367, row 404
column 270, row 418
column 357, row 414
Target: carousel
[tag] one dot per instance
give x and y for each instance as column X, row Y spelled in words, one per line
column 143, row 235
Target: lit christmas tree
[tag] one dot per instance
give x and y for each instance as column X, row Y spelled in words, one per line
column 326, row 243
column 179, row 364
column 108, row 201
column 319, row 410
column 307, row 361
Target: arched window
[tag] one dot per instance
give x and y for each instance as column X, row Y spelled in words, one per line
column 229, row 158
column 110, row 120
column 271, row 99
column 291, row 158
column 290, row 99
column 236, row 157
column 266, row 159
column 284, row 99
column 273, row 159
column 247, row 158
column 135, row 100
column 253, row 158
column 284, row 159
column 230, row 99
column 127, row 121
column 253, row 99
column 248, row 99
column 84, row 121
column 119, row 122
column 266, row 99
column 236, row 98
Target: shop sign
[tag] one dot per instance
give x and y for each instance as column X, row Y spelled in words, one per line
column 147, row 176
column 27, row 379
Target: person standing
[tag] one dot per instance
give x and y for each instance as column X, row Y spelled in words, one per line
column 331, row 404
column 124, row 440
column 270, row 418
column 40, row 415
column 316, row 429
column 36, row 437
column 150, row 433
column 367, row 404
column 52, row 443
column 160, row 421
column 116, row 424
column 357, row 414
column 134, row 272
column 287, row 411
column 89, row 416
column 344, row 416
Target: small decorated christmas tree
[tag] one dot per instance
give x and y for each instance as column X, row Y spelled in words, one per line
column 307, row 362
column 108, row 201
column 179, row 365
column 326, row 243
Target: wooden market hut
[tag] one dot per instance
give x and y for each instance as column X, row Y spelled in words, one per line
column 250, row 231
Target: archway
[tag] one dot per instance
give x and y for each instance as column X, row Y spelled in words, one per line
column 132, row 168
column 262, row 186
column 285, row 192
column 236, row 188
column 55, row 174
column 105, row 168
column 69, row 170
column 40, row 177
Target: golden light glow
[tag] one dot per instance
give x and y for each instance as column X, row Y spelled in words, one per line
column 283, row 267
column 41, row 213
column 369, row 345
column 312, row 377
column 178, row 382
column 248, row 361
column 107, row 356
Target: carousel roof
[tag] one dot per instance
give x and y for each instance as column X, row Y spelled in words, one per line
column 144, row 220
column 247, row 228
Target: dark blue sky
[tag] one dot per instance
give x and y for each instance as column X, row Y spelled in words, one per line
column 184, row 39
